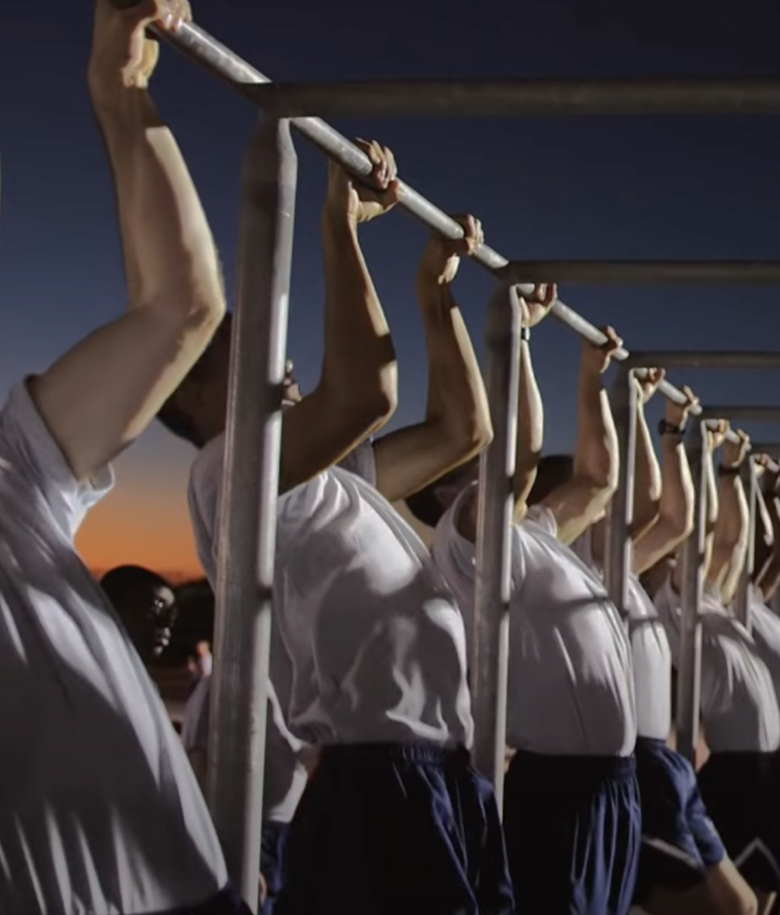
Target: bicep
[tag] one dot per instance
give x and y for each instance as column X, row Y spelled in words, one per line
column 654, row 546
column 317, row 433
column 409, row 459
column 103, row 393
column 576, row 505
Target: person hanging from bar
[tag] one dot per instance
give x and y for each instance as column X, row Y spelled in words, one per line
column 739, row 708
column 393, row 818
column 683, row 867
column 571, row 804
column 100, row 810
column 764, row 623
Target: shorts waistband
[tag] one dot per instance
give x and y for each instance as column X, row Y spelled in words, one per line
column 651, row 743
column 407, row 752
column 585, row 767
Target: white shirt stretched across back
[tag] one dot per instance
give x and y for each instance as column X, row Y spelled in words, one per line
column 570, row 681
column 373, row 641
column 738, row 703
column 765, row 629
column 99, row 810
column 650, row 652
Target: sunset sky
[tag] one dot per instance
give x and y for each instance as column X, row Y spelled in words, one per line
column 586, row 188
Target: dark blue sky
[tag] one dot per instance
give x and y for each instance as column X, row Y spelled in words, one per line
column 595, row 187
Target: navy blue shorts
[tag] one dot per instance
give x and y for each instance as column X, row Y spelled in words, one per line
column 741, row 791
column 272, row 861
column 679, row 840
column 227, row 902
column 572, row 826
column 395, row 829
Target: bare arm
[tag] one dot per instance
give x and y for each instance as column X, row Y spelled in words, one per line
column 729, row 548
column 357, row 391
column 457, row 421
column 102, row 394
column 768, row 578
column 577, row 503
column 647, row 473
column 675, row 511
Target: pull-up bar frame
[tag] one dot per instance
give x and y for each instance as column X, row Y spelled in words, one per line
column 246, row 572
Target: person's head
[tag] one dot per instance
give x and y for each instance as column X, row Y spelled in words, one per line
column 146, row 605
column 430, row 503
column 553, row 471
column 197, row 409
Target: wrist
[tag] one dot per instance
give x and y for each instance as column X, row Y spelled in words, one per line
column 337, row 224
column 729, row 470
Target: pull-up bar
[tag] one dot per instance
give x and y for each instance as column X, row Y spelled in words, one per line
column 522, row 98
column 224, row 63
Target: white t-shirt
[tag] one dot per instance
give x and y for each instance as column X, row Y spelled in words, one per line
column 738, row 703
column 99, row 810
column 650, row 652
column 765, row 629
column 285, row 777
column 374, row 642
column 570, row 683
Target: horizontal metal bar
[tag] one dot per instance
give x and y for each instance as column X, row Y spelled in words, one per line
column 742, row 413
column 688, row 359
column 649, row 272
column 514, row 98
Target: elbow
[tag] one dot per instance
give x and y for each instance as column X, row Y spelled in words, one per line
column 473, row 437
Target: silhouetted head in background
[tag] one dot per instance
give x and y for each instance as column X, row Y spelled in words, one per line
column 146, row 604
column 197, row 409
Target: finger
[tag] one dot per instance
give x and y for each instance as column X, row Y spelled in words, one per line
column 369, row 149
column 392, row 167
column 552, row 294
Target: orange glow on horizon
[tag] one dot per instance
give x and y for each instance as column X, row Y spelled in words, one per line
column 137, row 526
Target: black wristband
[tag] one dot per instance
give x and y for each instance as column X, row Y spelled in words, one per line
column 666, row 428
column 525, row 334
column 728, row 471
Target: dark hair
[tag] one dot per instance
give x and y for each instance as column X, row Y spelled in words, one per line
column 427, row 505
column 126, row 583
column 171, row 415
column 553, row 471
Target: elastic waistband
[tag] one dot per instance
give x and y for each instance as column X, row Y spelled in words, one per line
column 579, row 767
column 651, row 744
column 407, row 752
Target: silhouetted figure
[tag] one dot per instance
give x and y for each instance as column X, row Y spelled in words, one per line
column 146, row 604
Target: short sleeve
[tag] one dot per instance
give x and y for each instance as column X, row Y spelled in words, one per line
column 544, row 517
column 362, row 462
column 32, row 460
column 454, row 555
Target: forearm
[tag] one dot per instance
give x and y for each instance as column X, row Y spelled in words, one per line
column 456, row 402
column 359, row 363
column 730, row 538
column 596, row 453
column 530, row 430
column 647, row 478
column 170, row 256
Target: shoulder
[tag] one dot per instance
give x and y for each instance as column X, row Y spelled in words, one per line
column 362, row 462
column 542, row 518
column 33, row 462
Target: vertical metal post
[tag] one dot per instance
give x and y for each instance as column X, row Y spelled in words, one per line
column 750, row 482
column 247, row 524
column 490, row 635
column 689, row 665
column 618, row 553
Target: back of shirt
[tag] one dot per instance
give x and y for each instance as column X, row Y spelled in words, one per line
column 570, row 681
column 765, row 629
column 738, row 703
column 99, row 810
column 650, row 652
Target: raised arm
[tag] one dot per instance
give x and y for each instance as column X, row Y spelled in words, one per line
column 647, row 473
column 357, row 390
column 457, row 420
column 530, row 410
column 102, row 394
column 674, row 522
column 577, row 503
column 729, row 547
column 768, row 570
